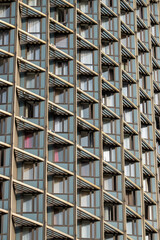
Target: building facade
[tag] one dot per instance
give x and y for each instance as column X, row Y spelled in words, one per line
column 79, row 119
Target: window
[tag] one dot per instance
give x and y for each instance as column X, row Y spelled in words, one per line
column 61, row 68
column 33, row 53
column 30, row 171
column 87, row 229
column 27, row 234
column 148, row 212
column 148, row 236
column 108, row 126
column 60, row 154
column 108, row 73
column 31, row 140
column 142, row 81
column 140, row 12
column 156, row 98
column 146, row 158
column 86, row 6
column 60, row 216
column 31, row 110
column 3, row 65
column 62, row 15
column 87, row 199
column 4, row 11
column 2, row 125
column 129, row 169
column 109, row 3
column 60, row 185
column 108, row 48
column 128, row 115
column 110, row 183
column 158, row 147
column 108, row 99
column 86, row 110
column 61, row 95
column 127, row 65
column 1, row 190
column 34, row 27
column 2, row 157
column 110, row 213
column 107, row 23
column 61, row 41
column 146, row 185
column 128, row 141
column 157, row 122
column 110, row 237
column 32, row 80
column 27, row 203
column 87, row 58
column 131, row 227
column 86, row 139
column 87, row 168
column 61, row 124
column 144, row 131
column 86, row 83
column 4, row 37
column 127, row 90
column 86, row 31
column 3, row 95
column 130, row 197
column 109, row 154
column 34, row 3
column 143, row 106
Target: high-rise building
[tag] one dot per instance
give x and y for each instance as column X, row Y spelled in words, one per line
column 79, row 119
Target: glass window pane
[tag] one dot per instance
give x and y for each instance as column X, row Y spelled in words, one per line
column 85, row 230
column 85, row 169
column 27, row 234
column 58, row 185
column 27, row 203
column 129, row 227
column 85, row 199
column 28, row 141
column 28, row 171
